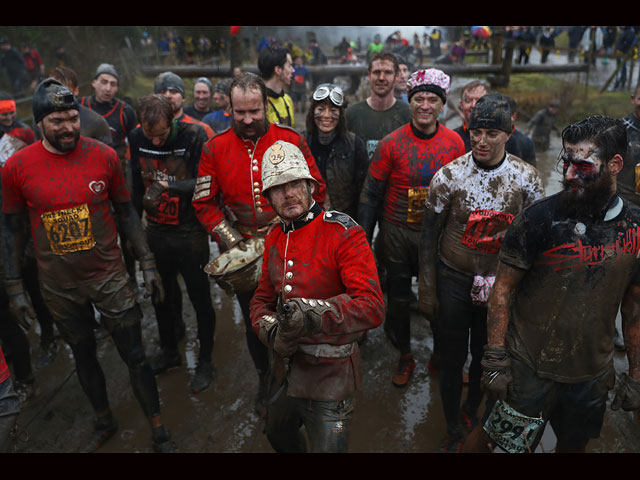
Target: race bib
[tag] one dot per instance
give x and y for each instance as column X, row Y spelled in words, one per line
column 69, row 230
column 168, row 210
column 511, row 430
column 416, row 199
column 485, row 230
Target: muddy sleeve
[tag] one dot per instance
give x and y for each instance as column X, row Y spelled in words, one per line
column 430, row 232
column 137, row 184
column 13, row 238
column 130, row 223
column 263, row 301
column 518, row 249
column 185, row 187
column 370, row 202
column 206, row 202
column 534, row 186
column 361, row 307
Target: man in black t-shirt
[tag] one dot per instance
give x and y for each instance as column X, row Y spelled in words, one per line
column 164, row 161
column 567, row 264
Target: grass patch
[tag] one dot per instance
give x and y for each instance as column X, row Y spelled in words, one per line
column 533, row 91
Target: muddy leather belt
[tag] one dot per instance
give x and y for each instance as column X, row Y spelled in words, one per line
column 328, row 351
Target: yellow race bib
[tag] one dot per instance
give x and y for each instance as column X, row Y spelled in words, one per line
column 416, row 200
column 69, row 230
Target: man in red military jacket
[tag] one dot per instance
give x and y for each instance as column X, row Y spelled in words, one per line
column 227, row 197
column 318, row 293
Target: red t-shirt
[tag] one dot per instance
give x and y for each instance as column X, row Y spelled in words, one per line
column 406, row 163
column 68, row 198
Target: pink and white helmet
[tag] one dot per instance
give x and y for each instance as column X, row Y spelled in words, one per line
column 430, row 80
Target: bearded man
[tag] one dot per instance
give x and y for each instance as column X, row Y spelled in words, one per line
column 567, row 264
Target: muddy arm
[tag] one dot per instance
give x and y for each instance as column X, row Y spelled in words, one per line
column 507, row 280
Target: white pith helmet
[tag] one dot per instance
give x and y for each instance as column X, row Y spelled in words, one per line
column 282, row 163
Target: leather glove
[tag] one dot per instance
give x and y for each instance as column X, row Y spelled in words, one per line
column 496, row 371
column 151, row 199
column 627, row 394
column 19, row 303
column 285, row 344
column 228, row 235
column 301, row 317
column 304, row 317
column 152, row 281
column 268, row 325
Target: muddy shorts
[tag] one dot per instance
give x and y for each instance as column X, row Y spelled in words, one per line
column 401, row 246
column 574, row 410
column 73, row 312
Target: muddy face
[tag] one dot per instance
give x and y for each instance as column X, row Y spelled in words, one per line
column 291, row 200
column 326, row 118
column 425, row 108
column 61, row 130
column 586, row 179
column 488, row 145
column 382, row 77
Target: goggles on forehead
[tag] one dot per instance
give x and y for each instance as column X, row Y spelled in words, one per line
column 329, row 90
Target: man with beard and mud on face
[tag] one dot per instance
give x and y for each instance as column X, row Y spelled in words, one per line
column 69, row 186
column 317, row 295
column 396, row 185
column 567, row 264
column 471, row 203
column 227, row 198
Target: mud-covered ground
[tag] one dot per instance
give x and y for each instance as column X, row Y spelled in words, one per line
column 221, row 419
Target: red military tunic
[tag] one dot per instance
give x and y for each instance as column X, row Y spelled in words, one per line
column 230, row 174
column 324, row 257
